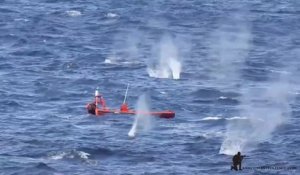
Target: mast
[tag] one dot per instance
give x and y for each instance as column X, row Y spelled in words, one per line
column 126, row 94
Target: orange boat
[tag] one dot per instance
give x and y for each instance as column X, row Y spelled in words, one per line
column 99, row 108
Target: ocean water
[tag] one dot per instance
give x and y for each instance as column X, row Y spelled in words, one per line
column 229, row 69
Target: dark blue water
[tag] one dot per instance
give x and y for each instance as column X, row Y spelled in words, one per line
column 55, row 53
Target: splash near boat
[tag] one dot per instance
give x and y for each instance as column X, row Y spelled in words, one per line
column 98, row 108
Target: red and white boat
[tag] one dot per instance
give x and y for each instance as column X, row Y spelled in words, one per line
column 99, row 108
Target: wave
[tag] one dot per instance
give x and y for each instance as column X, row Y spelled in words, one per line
column 207, row 93
column 73, row 13
column 58, row 156
column 73, row 154
column 32, row 53
column 211, row 118
column 39, row 168
column 228, row 101
column 237, row 118
column 108, row 61
column 10, row 103
column 210, row 135
column 21, row 19
column 219, row 118
column 44, row 166
column 111, row 15
column 83, row 154
column 118, row 61
column 223, row 98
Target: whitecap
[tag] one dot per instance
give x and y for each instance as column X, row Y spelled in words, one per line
column 83, row 155
column 112, row 60
column 58, row 156
column 237, row 118
column 108, row 61
column 211, row 118
column 213, row 134
column 73, row 13
column 69, row 155
column 21, row 19
column 118, row 61
column 111, row 15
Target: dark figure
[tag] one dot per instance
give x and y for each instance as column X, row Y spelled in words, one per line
column 237, row 161
column 91, row 108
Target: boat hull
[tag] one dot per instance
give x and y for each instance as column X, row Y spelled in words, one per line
column 92, row 109
column 161, row 114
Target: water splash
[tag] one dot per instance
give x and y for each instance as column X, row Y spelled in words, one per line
column 168, row 65
column 264, row 105
column 141, row 122
column 133, row 129
column 266, row 108
column 229, row 46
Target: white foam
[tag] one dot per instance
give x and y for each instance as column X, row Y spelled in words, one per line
column 118, row 61
column 111, row 15
column 237, row 118
column 222, row 97
column 58, row 156
column 70, row 155
column 108, row 61
column 83, row 155
column 112, row 60
column 73, row 13
column 211, row 118
column 219, row 118
column 212, row 134
column 280, row 71
column 21, row 19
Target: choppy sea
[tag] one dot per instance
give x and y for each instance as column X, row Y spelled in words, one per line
column 229, row 69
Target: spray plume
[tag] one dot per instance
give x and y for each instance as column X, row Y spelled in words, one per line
column 126, row 47
column 229, row 45
column 266, row 105
column 168, row 65
column 141, row 122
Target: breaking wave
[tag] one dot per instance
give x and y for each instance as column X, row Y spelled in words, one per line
column 73, row 13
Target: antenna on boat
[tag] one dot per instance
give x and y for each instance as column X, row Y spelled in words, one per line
column 126, row 94
column 97, row 96
column 124, row 107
